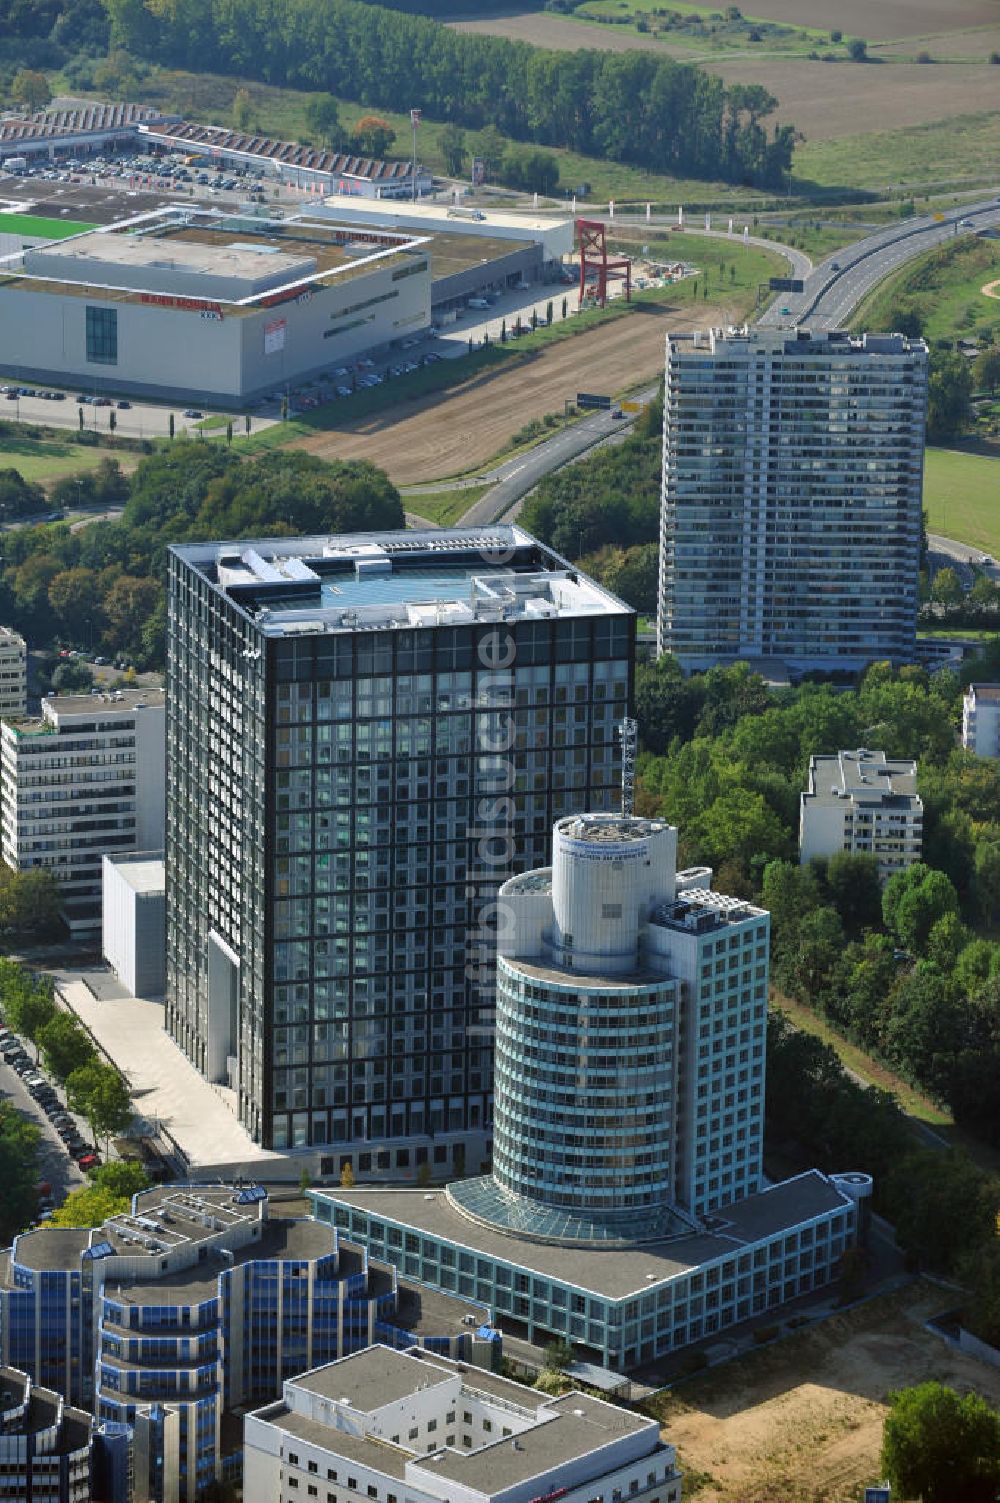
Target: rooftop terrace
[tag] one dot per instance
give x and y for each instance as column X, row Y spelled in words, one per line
column 376, row 581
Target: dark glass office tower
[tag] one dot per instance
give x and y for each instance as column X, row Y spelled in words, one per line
column 366, row 736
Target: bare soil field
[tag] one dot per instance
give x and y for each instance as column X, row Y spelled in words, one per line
column 459, row 430
column 829, row 100
column 875, row 20
column 942, row 45
column 801, row 1421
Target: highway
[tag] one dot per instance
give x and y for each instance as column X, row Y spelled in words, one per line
column 832, row 291
column 835, row 287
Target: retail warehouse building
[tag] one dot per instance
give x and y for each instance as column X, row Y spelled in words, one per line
column 216, row 309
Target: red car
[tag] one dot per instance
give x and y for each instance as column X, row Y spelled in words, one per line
column 89, row 1160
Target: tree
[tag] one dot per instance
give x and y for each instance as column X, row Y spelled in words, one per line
column 853, row 885
column 19, row 497
column 97, row 1092
column 913, row 902
column 940, row 1447
column 64, row 1045
column 74, row 596
column 28, row 1007
column 451, row 144
column 29, row 903
column 19, row 1139
column 242, row 110
column 986, row 370
column 942, row 1207
column 30, row 89
column 424, row 1175
column 126, row 606
column 323, row 119
column 558, row 1354
column 949, row 389
column 373, row 136
column 946, row 588
column 490, row 146
column 857, row 50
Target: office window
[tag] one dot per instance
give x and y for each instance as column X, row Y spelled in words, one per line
column 102, row 336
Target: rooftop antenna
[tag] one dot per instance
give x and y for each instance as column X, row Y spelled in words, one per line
column 628, row 730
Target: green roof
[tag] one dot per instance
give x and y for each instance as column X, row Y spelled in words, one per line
column 45, row 229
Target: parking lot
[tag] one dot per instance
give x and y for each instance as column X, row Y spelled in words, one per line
column 55, row 1165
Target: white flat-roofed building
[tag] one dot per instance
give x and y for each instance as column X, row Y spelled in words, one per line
column 134, row 920
column 198, row 305
column 13, row 673
column 85, row 778
column 981, row 720
column 385, row 1424
column 866, row 804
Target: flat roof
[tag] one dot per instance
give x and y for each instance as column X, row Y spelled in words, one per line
column 613, row 1273
column 144, row 873
column 862, row 776
column 428, row 214
column 406, row 580
column 303, row 1241
column 989, row 692
column 372, row 1378
column 183, row 254
column 550, row 1431
column 66, row 707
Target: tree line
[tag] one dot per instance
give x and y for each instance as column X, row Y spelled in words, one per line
column 633, row 107
column 101, row 587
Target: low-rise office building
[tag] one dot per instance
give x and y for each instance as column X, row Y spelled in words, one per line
column 134, row 920
column 13, row 673
column 83, row 779
column 197, row 1304
column 981, row 720
column 45, row 1445
column 183, row 303
column 386, row 1423
column 863, row 803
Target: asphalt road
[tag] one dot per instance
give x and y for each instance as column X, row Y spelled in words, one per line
column 831, row 295
column 827, row 301
column 54, row 1163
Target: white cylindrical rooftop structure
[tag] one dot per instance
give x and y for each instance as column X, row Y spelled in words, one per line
column 607, row 870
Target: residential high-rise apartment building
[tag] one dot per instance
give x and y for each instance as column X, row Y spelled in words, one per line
column 84, row 779
column 366, row 736
column 981, row 720
column 13, row 673
column 791, row 501
column 865, row 804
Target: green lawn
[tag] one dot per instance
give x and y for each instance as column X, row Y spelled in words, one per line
column 945, row 287
column 945, row 154
column 962, row 497
column 444, row 506
column 913, row 1102
column 47, row 229
column 43, row 460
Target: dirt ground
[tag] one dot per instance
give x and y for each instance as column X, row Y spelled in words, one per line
column 875, row 20
column 801, row 1421
column 829, row 100
column 459, row 430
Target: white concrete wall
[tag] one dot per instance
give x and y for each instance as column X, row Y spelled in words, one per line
column 118, row 902
column 821, row 827
column 180, row 350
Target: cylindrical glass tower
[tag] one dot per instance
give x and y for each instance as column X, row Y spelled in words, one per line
column 586, row 1044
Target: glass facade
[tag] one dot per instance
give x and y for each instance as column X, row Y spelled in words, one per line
column 340, row 809
column 102, row 335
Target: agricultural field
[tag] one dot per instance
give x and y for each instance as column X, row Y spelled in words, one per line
column 800, row 1421
column 962, row 497
column 905, row 119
